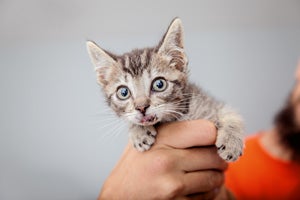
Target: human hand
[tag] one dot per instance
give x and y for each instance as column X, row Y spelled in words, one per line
column 183, row 164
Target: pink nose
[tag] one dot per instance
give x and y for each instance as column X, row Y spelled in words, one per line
column 142, row 108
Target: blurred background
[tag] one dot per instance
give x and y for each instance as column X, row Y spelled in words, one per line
column 58, row 139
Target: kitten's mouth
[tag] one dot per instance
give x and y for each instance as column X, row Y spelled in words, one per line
column 149, row 120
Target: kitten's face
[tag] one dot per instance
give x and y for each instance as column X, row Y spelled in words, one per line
column 147, row 96
column 145, row 86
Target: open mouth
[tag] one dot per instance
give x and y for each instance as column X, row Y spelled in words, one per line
column 149, row 119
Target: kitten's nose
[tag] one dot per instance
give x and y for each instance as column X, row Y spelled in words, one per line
column 142, row 108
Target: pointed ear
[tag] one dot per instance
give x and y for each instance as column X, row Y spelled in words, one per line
column 102, row 62
column 172, row 45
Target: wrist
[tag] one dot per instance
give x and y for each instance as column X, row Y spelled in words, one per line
column 107, row 192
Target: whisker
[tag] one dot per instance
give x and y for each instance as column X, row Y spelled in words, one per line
column 113, row 132
column 173, row 115
column 116, row 131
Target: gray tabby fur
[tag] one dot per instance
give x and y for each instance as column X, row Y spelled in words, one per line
column 145, row 106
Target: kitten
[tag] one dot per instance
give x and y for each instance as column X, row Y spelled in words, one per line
column 149, row 86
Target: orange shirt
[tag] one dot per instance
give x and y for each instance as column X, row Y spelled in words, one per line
column 257, row 175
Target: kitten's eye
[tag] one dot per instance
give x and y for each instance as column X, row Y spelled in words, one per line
column 159, row 85
column 123, row 93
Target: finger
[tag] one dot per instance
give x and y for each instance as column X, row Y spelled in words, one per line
column 202, row 181
column 203, row 158
column 200, row 196
column 187, row 134
column 203, row 196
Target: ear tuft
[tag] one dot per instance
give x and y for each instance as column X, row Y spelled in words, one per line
column 173, row 37
column 98, row 56
column 172, row 45
column 102, row 62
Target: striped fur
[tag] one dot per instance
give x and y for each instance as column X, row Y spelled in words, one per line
column 137, row 73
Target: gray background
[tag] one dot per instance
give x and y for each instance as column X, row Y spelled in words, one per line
column 58, row 140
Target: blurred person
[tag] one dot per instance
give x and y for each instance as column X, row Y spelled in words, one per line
column 270, row 165
column 187, row 166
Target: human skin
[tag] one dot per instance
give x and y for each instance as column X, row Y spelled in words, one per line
column 182, row 164
column 271, row 141
column 295, row 98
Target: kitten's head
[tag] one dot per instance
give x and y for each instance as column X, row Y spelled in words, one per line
column 145, row 86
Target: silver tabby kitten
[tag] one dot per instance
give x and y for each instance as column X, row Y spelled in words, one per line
column 150, row 86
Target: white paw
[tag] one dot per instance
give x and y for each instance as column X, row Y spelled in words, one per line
column 230, row 147
column 143, row 138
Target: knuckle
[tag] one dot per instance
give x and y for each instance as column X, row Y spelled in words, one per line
column 174, row 188
column 162, row 163
column 215, row 179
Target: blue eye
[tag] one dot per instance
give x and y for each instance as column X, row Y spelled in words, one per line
column 123, row 93
column 159, row 85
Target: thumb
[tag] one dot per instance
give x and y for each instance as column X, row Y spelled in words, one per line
column 186, row 134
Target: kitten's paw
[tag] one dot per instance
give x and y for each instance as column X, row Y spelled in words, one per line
column 230, row 147
column 143, row 138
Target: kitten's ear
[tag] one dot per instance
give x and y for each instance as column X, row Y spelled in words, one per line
column 102, row 62
column 172, row 45
column 173, row 38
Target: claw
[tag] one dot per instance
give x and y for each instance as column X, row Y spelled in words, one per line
column 229, row 157
column 222, row 147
